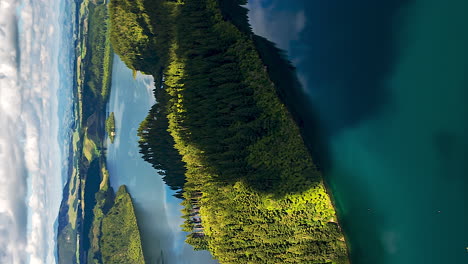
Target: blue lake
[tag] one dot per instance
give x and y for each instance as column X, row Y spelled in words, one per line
column 388, row 81
column 158, row 212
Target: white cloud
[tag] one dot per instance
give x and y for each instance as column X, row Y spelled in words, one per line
column 271, row 20
column 278, row 25
column 12, row 185
column 30, row 163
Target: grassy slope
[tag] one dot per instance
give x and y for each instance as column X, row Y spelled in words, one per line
column 94, row 67
column 93, row 74
column 104, row 201
column 114, row 237
column 120, row 242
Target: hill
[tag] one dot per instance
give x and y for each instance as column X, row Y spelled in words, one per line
column 252, row 192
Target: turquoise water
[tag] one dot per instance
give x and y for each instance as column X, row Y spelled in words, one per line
column 158, row 212
column 389, row 81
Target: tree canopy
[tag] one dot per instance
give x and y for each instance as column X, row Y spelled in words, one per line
column 252, row 193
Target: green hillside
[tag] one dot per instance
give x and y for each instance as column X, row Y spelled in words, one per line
column 252, row 193
column 120, row 241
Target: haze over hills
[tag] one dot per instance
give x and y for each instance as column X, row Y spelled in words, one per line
column 35, row 66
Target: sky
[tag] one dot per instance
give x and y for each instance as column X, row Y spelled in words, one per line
column 30, row 156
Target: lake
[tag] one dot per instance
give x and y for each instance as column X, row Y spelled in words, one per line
column 158, row 212
column 388, row 82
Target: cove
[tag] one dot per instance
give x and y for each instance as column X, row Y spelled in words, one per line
column 158, row 212
column 388, row 83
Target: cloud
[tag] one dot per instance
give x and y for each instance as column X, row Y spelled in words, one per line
column 12, row 177
column 30, row 161
column 279, row 25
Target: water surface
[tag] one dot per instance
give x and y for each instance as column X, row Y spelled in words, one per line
column 158, row 212
column 389, row 83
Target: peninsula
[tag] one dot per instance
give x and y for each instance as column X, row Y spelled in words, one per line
column 223, row 136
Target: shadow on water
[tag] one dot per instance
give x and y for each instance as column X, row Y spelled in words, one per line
column 92, row 182
column 347, row 50
column 291, row 92
column 346, row 54
column 350, row 51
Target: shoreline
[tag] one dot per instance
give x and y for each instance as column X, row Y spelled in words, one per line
column 87, row 139
column 290, row 92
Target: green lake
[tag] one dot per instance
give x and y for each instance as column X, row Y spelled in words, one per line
column 388, row 81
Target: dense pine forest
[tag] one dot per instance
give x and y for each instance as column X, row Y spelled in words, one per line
column 120, row 241
column 222, row 136
column 157, row 146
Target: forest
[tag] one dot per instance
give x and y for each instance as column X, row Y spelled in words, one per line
column 120, row 241
column 157, row 146
column 97, row 58
column 114, row 234
column 221, row 133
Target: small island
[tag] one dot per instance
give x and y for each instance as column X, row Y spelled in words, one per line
column 110, row 127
